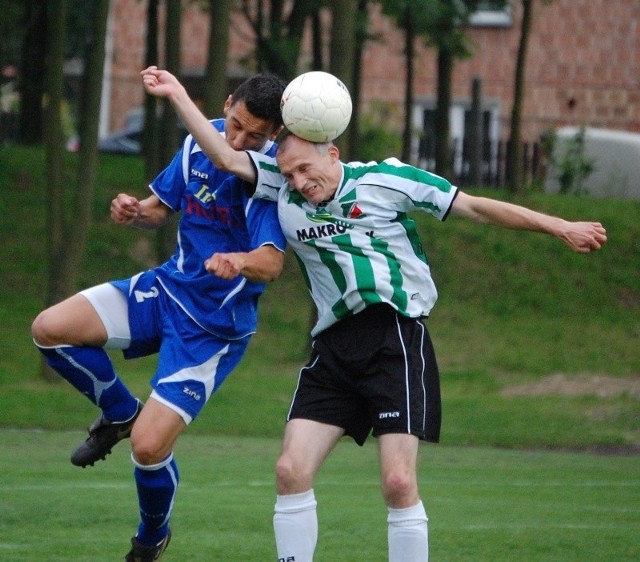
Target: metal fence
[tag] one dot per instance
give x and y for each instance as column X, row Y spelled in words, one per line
column 493, row 164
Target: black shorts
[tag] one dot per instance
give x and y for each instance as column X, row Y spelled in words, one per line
column 374, row 370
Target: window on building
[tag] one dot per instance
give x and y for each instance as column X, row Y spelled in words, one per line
column 492, row 13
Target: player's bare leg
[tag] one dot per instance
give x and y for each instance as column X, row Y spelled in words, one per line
column 305, row 447
column 71, row 336
column 407, row 519
column 73, row 321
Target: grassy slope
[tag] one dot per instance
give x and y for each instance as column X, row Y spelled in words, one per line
column 514, row 307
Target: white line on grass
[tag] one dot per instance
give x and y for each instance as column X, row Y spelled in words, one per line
column 74, row 486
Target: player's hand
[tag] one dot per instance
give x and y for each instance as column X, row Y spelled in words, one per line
column 225, row 266
column 125, row 209
column 584, row 237
column 158, row 82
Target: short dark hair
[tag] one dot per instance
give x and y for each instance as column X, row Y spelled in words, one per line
column 262, row 94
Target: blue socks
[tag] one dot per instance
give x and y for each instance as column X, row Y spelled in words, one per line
column 157, row 485
column 89, row 370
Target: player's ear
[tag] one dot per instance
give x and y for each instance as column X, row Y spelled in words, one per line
column 276, row 132
column 334, row 152
column 227, row 104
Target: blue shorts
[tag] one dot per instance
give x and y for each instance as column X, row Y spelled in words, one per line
column 192, row 363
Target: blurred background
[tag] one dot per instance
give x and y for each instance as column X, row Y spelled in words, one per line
column 535, row 101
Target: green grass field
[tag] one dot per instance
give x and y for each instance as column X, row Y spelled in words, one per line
column 484, row 504
column 539, row 351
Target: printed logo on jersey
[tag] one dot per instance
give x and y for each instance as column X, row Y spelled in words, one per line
column 388, row 415
column 199, row 174
column 203, row 204
column 352, row 210
column 328, row 226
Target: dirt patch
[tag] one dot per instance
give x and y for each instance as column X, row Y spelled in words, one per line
column 581, row 385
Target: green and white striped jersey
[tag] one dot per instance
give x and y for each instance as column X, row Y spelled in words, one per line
column 361, row 248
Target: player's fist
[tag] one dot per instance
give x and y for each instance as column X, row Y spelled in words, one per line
column 125, row 209
column 225, row 266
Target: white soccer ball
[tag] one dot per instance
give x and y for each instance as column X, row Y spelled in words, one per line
column 316, row 106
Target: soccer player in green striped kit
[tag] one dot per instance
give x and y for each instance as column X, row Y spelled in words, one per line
column 372, row 367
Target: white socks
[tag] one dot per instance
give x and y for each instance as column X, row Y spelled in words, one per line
column 407, row 534
column 296, row 527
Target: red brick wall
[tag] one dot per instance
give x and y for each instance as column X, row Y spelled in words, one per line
column 583, row 64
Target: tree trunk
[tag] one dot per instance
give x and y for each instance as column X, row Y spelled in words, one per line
column 409, row 39
column 514, row 154
column 353, row 131
column 278, row 38
column 216, row 88
column 33, row 72
column 443, row 145
column 166, row 235
column 54, row 147
column 151, row 133
column 316, row 42
column 343, row 50
column 77, row 226
column 474, row 136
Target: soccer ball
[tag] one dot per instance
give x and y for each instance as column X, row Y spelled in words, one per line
column 316, row 106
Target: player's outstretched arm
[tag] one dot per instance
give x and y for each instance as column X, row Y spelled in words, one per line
column 161, row 83
column 579, row 236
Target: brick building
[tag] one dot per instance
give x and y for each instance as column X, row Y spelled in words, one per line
column 583, row 66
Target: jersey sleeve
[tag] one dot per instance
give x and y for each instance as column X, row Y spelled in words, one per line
column 263, row 224
column 418, row 189
column 170, row 184
column 269, row 180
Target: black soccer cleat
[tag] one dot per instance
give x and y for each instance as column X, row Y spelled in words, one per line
column 103, row 435
column 143, row 553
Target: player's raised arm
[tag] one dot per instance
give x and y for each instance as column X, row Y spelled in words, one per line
column 161, row 83
column 579, row 236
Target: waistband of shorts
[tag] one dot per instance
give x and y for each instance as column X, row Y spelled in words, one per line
column 373, row 315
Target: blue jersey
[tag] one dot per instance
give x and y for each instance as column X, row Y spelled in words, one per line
column 216, row 216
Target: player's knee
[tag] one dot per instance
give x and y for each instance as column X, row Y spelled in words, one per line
column 43, row 330
column 399, row 488
column 291, row 477
column 148, row 449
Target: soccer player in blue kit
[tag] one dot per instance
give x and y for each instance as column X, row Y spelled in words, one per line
column 197, row 310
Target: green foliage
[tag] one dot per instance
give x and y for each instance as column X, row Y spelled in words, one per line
column 571, row 165
column 377, row 137
column 11, row 31
column 440, row 22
